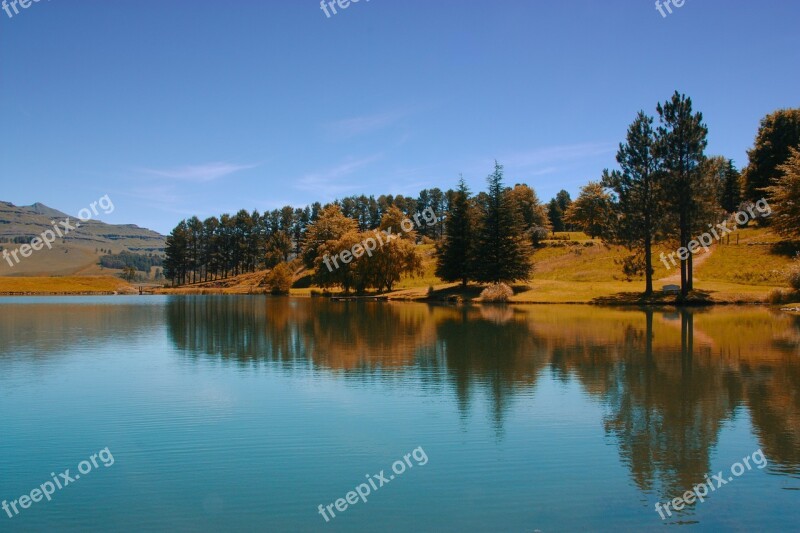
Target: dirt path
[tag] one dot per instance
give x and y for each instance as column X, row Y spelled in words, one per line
column 699, row 259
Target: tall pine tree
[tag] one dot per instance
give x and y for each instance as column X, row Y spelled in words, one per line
column 682, row 140
column 455, row 254
column 502, row 252
column 639, row 194
column 731, row 193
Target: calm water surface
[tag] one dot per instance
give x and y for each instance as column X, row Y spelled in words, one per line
column 247, row 413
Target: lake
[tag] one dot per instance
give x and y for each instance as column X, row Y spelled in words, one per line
column 267, row 414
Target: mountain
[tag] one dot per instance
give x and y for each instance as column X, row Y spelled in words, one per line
column 78, row 252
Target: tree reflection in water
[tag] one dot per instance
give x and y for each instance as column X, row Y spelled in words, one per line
column 668, row 380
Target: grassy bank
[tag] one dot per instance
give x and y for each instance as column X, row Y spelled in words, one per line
column 89, row 285
column 570, row 268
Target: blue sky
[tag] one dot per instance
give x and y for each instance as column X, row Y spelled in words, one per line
column 176, row 108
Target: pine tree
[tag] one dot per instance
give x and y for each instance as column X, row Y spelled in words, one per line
column 502, row 252
column 175, row 262
column 556, row 215
column 784, row 195
column 731, row 193
column 454, row 259
column 639, row 193
column 778, row 133
column 682, row 139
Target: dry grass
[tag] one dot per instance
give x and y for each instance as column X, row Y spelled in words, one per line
column 754, row 261
column 65, row 285
column 575, row 271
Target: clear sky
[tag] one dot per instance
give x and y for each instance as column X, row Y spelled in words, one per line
column 176, row 108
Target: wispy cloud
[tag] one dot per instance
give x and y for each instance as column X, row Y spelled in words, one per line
column 551, row 155
column 352, row 127
column 326, row 181
column 543, row 172
column 198, row 173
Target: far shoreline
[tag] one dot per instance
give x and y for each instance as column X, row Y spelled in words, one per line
column 536, row 292
column 793, row 308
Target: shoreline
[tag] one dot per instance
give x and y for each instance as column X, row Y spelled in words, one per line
column 783, row 307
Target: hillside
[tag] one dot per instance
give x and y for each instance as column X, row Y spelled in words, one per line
column 576, row 269
column 77, row 253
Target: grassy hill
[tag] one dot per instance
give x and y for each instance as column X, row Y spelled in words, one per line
column 76, row 254
column 572, row 268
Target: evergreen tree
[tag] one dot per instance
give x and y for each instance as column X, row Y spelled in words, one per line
column 195, row 247
column 731, row 190
column 175, row 262
column 564, row 202
column 779, row 131
column 556, row 215
column 503, row 252
column 784, row 195
column 639, row 194
column 211, row 246
column 455, row 253
column 682, row 139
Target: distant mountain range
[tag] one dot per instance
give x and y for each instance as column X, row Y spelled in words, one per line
column 78, row 252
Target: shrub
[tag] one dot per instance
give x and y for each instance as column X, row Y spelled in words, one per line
column 776, row 297
column 794, row 276
column 498, row 292
column 539, row 234
column 279, row 279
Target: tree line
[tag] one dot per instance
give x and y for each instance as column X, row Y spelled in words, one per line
column 513, row 220
column 229, row 245
column 665, row 190
column 125, row 259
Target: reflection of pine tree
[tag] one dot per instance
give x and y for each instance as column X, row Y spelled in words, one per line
column 667, row 411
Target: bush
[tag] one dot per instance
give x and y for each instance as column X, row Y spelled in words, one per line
column 794, row 276
column 776, row 297
column 498, row 292
column 279, row 279
column 539, row 234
